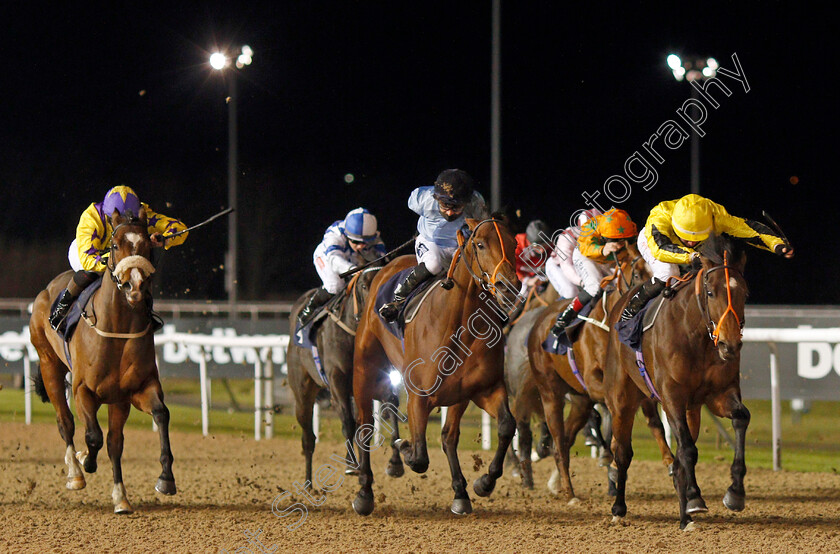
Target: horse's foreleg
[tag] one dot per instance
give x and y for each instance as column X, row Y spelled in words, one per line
column 685, row 481
column 150, row 401
column 654, row 423
column 622, row 450
column 545, row 443
column 732, row 407
column 496, row 404
column 449, row 435
column 86, row 406
column 553, row 404
column 582, row 408
column 415, row 453
column 526, row 439
column 395, row 464
column 117, row 416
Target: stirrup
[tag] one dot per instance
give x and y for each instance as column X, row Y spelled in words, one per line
column 389, row 311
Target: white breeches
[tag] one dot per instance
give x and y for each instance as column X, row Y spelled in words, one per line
column 661, row 270
column 436, row 258
column 559, row 279
column 590, row 272
column 73, row 256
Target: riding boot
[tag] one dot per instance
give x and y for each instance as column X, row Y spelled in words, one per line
column 61, row 308
column 317, row 300
column 648, row 291
column 417, row 276
column 564, row 319
column 157, row 321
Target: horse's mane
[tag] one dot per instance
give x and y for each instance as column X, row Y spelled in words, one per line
column 715, row 246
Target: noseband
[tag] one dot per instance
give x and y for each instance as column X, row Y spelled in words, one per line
column 482, row 277
column 701, row 288
column 116, row 270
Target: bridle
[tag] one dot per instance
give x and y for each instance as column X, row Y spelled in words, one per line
column 111, row 263
column 481, row 278
column 701, row 288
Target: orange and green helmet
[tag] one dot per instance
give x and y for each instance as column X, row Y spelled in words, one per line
column 616, row 224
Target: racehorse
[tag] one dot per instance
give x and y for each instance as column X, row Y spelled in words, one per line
column 112, row 358
column 452, row 352
column 555, row 377
column 525, row 403
column 692, row 357
column 335, row 338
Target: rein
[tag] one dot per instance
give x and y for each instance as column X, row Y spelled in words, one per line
column 701, row 289
column 481, row 279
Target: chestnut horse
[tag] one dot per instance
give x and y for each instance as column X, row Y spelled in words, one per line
column 453, row 352
column 555, row 377
column 335, row 338
column 112, row 356
column 692, row 356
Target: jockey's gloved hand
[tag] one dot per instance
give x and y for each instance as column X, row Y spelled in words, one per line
column 695, row 261
column 157, row 239
column 784, row 250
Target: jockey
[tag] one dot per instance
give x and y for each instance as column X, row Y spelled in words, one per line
column 443, row 210
column 93, row 235
column 600, row 237
column 531, row 254
column 675, row 230
column 560, row 268
column 346, row 245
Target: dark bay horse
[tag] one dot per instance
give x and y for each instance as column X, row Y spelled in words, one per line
column 335, row 338
column 555, row 378
column 112, row 356
column 452, row 353
column 692, row 355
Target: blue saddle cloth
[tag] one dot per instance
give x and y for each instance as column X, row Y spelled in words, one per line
column 68, row 325
column 559, row 345
column 385, row 294
column 305, row 336
column 630, row 331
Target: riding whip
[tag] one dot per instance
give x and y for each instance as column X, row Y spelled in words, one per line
column 196, row 226
column 350, row 272
column 777, row 229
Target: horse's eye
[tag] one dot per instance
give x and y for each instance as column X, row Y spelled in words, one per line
column 710, row 294
column 479, row 245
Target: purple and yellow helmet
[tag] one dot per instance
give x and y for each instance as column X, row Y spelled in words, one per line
column 122, row 199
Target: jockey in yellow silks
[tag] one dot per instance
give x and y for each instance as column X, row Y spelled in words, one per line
column 93, row 236
column 600, row 238
column 675, row 231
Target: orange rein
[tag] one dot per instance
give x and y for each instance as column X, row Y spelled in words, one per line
column 699, row 286
column 462, row 244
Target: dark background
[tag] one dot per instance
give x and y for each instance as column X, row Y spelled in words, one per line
column 393, row 93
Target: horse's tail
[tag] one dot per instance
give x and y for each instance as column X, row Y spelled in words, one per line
column 40, row 388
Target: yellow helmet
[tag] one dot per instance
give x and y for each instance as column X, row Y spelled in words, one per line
column 692, row 218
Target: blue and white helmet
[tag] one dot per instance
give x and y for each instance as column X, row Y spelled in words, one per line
column 360, row 225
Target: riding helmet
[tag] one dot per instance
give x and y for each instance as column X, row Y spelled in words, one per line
column 692, row 218
column 122, row 199
column 453, row 187
column 360, row 225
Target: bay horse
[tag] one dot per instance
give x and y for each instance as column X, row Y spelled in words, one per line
column 555, row 377
column 112, row 356
column 692, row 357
column 335, row 338
column 452, row 353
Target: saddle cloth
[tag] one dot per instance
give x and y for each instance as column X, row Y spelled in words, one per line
column 630, row 332
column 412, row 304
column 559, row 345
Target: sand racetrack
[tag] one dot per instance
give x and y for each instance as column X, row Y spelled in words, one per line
column 226, row 486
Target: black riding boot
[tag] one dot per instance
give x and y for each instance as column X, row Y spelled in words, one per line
column 564, row 320
column 157, row 321
column 419, row 274
column 61, row 308
column 648, row 291
column 317, row 300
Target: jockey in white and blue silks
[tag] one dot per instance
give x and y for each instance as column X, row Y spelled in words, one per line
column 346, row 245
column 443, row 210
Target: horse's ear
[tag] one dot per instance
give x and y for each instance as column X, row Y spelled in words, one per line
column 116, row 218
column 472, row 223
column 142, row 214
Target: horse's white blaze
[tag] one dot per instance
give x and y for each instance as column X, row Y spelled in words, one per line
column 133, row 238
column 732, row 282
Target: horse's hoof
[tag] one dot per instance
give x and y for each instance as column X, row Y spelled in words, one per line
column 574, row 501
column 689, row 527
column 733, row 502
column 696, row 506
column 76, row 483
column 535, row 456
column 165, row 487
column 123, row 508
column 515, row 473
column 528, row 484
column 604, row 461
column 554, row 482
column 617, row 519
column 363, row 505
column 670, row 470
column 351, row 472
column 395, row 470
column 461, row 506
column 484, row 485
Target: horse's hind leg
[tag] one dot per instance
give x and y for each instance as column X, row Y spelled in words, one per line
column 304, row 403
column 395, row 464
column 654, row 422
column 117, row 416
column 496, row 404
column 526, row 439
column 86, row 406
column 449, row 435
column 150, row 401
column 53, row 373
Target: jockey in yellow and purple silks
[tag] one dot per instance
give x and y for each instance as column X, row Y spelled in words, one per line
column 600, row 238
column 675, row 230
column 93, row 235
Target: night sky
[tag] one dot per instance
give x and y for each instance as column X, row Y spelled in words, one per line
column 392, row 93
